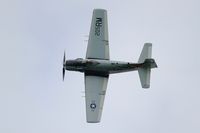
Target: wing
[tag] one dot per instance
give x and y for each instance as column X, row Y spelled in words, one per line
column 98, row 47
column 95, row 90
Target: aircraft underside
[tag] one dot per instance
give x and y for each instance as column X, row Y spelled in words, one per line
column 97, row 66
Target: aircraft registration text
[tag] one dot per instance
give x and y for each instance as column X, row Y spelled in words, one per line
column 98, row 26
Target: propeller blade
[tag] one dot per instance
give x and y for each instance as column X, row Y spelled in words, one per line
column 63, row 74
column 63, row 71
column 64, row 58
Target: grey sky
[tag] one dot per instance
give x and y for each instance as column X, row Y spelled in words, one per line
column 35, row 33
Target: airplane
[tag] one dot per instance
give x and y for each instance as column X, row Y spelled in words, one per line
column 97, row 66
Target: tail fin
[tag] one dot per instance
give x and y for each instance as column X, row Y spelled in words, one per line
column 148, row 63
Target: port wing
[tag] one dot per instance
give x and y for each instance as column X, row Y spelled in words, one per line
column 98, row 46
column 95, row 90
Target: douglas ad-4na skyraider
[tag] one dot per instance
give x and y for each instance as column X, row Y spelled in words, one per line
column 97, row 66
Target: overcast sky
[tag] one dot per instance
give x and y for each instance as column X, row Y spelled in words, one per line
column 35, row 33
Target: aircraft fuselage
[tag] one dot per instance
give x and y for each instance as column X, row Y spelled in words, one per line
column 100, row 67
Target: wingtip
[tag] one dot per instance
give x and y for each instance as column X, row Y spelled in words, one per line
column 93, row 121
column 145, row 86
column 99, row 9
column 148, row 44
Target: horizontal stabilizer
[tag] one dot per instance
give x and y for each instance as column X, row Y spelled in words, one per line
column 146, row 52
column 147, row 63
column 144, row 74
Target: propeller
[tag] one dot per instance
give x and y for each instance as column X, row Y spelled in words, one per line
column 63, row 70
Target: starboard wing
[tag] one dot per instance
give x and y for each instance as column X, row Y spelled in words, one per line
column 95, row 90
column 98, row 46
